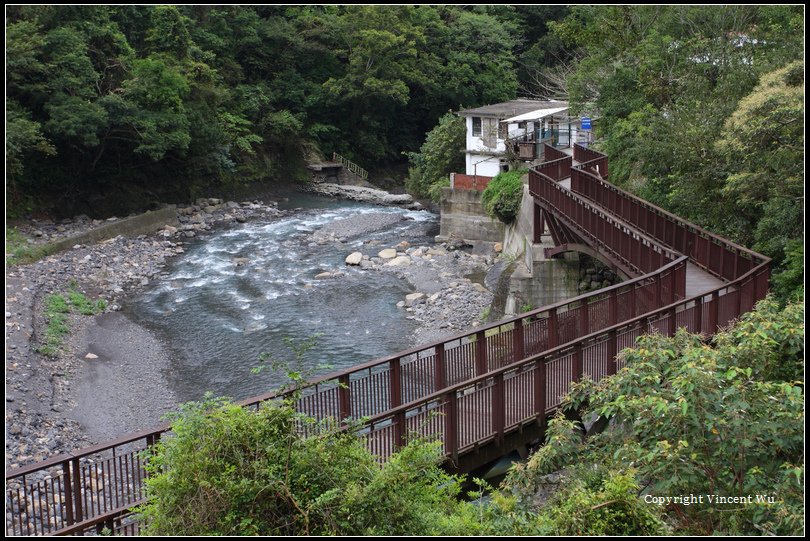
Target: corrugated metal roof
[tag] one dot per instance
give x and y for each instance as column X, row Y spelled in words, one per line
column 512, row 108
column 535, row 115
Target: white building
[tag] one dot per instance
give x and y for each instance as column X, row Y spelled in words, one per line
column 523, row 126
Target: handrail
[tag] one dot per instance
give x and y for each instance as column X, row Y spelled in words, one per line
column 512, row 339
column 558, row 168
column 703, row 313
column 631, row 250
column 709, row 251
column 351, row 166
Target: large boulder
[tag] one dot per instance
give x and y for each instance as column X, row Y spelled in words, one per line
column 414, row 298
column 354, row 258
column 400, row 261
column 388, row 253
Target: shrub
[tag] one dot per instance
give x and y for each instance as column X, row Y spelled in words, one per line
column 440, row 155
column 695, row 419
column 226, row 470
column 502, row 196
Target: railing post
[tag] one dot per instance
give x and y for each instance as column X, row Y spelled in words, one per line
column 518, row 349
column 613, row 352
column 540, row 390
column 78, row 513
column 399, row 430
column 439, row 378
column 698, row 315
column 552, row 329
column 658, row 300
column 480, row 353
column 67, row 495
column 451, row 427
column 344, row 399
column 633, row 303
column 673, row 322
column 576, row 362
column 714, row 309
column 672, row 284
column 584, row 318
column 498, row 405
column 395, row 382
column 613, row 307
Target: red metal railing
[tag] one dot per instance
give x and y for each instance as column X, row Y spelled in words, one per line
column 591, row 160
column 472, row 413
column 551, row 154
column 556, row 169
column 86, row 489
column 713, row 253
column 629, row 249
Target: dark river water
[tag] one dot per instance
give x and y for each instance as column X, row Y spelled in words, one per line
column 218, row 318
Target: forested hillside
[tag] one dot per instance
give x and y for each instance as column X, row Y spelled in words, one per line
column 114, row 108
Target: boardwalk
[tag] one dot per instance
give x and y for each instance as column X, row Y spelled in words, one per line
column 484, row 392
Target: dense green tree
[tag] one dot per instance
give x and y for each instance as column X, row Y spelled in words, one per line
column 439, row 156
column 138, row 104
column 230, row 471
column 685, row 417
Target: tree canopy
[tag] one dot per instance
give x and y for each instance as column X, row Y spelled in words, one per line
column 112, row 108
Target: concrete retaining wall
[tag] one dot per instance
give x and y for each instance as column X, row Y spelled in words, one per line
column 141, row 224
column 463, row 216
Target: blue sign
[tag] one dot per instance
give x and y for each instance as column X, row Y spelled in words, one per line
column 586, row 123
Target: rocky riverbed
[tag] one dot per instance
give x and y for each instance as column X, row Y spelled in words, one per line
column 446, row 300
column 39, row 390
column 44, row 414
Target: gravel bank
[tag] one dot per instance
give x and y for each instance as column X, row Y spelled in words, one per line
column 446, row 299
column 46, row 413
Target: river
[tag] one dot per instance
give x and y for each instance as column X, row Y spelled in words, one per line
column 218, row 316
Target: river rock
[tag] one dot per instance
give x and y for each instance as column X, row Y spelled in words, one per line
column 91, row 356
column 354, row 258
column 399, row 261
column 498, row 247
column 414, row 298
column 240, row 261
column 388, row 253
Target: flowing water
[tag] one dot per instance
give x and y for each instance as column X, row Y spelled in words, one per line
column 218, row 318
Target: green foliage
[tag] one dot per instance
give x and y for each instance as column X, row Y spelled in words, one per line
column 115, row 107
column 612, row 507
column 696, row 419
column 57, row 306
column 20, row 251
column 502, row 196
column 228, row 470
column 763, row 145
column 440, row 155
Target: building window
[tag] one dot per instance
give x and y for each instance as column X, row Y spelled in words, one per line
column 476, row 121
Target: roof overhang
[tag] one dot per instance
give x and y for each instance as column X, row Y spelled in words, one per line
column 536, row 115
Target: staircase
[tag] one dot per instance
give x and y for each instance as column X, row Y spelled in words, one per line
column 350, row 166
